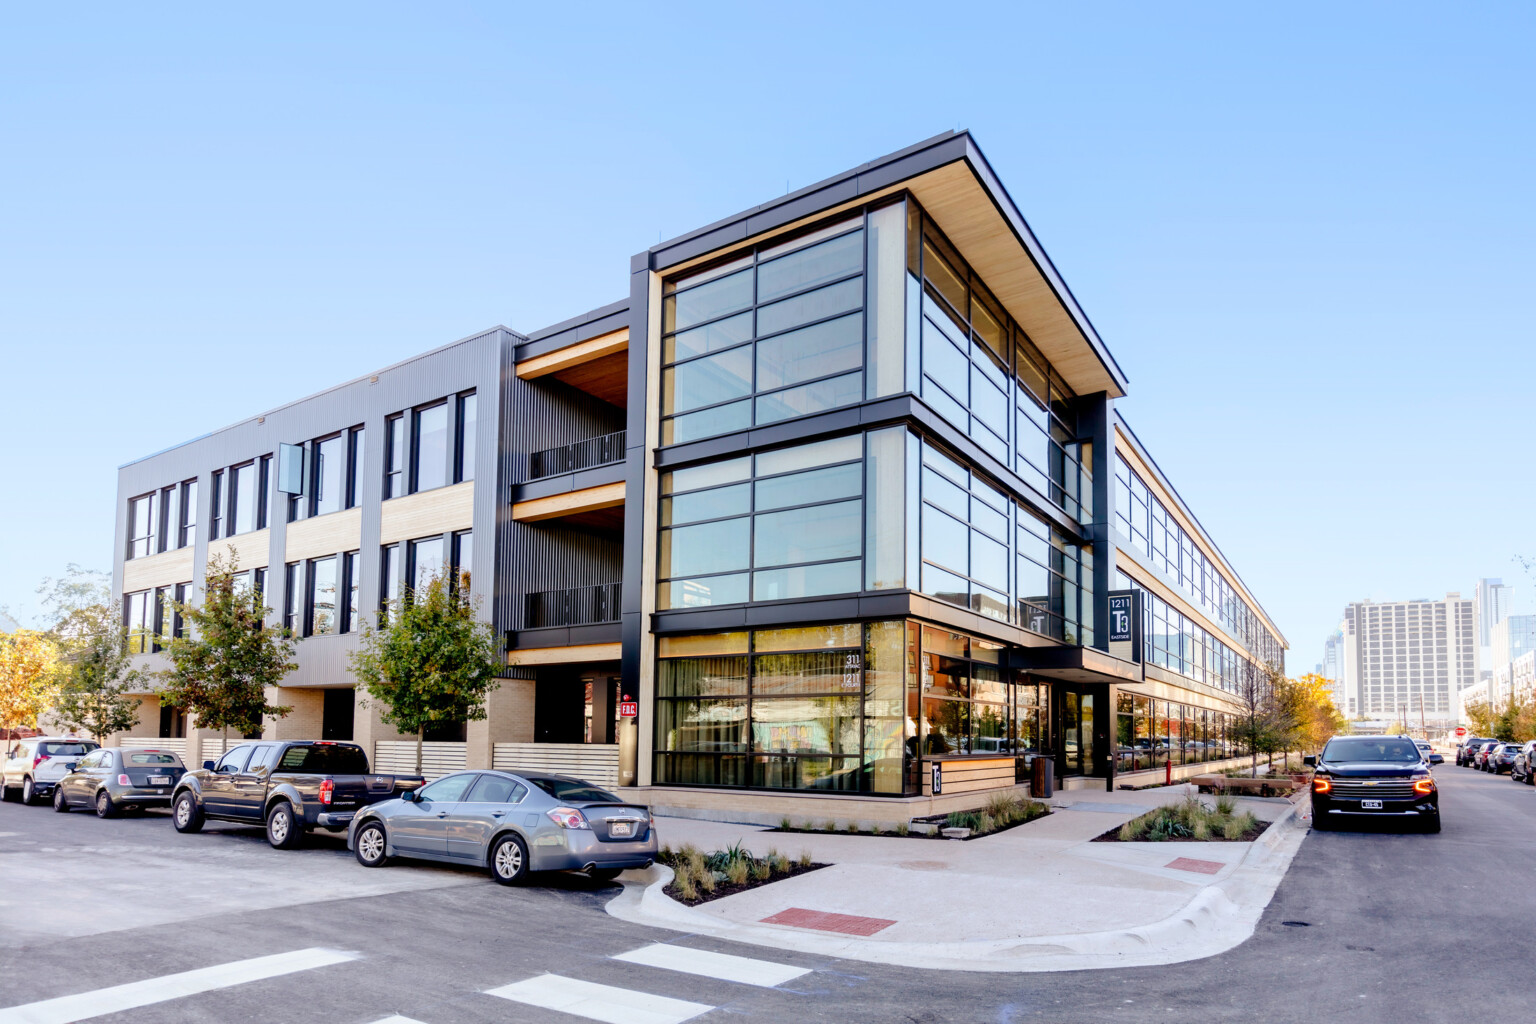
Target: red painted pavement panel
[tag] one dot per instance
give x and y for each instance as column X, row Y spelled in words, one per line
column 821, row 920
column 1205, row 867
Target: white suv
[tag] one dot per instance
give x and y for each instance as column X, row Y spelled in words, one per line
column 36, row 765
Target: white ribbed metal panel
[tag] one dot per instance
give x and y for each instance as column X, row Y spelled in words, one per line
column 399, row 757
column 592, row 762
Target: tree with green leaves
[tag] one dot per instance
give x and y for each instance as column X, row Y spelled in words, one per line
column 227, row 656
column 95, row 679
column 431, row 660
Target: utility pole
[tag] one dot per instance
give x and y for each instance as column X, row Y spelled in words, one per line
column 1422, row 724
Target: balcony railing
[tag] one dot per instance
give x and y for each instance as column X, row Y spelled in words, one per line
column 579, row 606
column 567, row 458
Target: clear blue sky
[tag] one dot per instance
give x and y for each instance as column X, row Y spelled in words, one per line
column 1305, row 230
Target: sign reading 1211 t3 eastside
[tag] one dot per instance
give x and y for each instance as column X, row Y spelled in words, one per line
column 1124, row 625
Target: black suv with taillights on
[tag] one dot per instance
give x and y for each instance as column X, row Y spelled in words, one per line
column 1359, row 777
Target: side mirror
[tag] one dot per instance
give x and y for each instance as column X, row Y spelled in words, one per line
column 409, row 796
column 207, row 766
column 70, row 766
column 1310, row 760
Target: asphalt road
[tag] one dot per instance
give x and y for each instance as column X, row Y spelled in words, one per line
column 1368, row 926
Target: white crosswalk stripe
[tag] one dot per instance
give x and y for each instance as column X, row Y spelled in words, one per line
column 118, row 998
column 725, row 967
column 397, row 1019
column 599, row 1002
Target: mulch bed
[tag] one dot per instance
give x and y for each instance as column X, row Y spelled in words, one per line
column 1113, row 836
column 727, row 889
column 909, row 835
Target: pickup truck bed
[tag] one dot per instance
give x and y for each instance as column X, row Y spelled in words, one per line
column 290, row 787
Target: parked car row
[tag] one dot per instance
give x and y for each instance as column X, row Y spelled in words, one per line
column 510, row 823
column 1518, row 760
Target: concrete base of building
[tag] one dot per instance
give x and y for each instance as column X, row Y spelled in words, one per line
column 1181, row 772
column 757, row 807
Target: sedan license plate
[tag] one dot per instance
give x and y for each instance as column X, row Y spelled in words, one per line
column 1370, row 805
column 159, row 780
column 621, row 828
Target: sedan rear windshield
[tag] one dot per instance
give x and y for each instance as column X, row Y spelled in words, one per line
column 568, row 791
column 325, row 759
column 141, row 757
column 64, row 749
column 1369, row 748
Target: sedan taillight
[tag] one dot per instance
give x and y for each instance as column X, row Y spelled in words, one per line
column 1322, row 784
column 567, row 817
column 123, row 780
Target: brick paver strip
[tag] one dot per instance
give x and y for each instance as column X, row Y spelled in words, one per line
column 1205, row 867
column 821, row 920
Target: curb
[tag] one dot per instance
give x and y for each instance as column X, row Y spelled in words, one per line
column 1217, row 918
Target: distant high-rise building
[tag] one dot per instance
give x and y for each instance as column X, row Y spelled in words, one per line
column 1512, row 637
column 1493, row 599
column 1333, row 668
column 1409, row 656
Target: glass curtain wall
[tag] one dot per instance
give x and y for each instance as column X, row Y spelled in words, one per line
column 837, row 708
column 1155, row 532
column 1152, row 733
column 979, row 370
column 782, row 330
column 1177, row 643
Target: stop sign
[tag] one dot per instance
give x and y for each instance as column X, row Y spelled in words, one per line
column 1461, row 730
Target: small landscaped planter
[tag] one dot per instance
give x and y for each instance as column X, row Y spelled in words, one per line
column 1189, row 821
column 698, row 877
column 1000, row 814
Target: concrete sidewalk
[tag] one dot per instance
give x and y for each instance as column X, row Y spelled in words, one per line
column 1039, row 897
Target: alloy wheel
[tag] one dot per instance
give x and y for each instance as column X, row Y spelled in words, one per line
column 371, row 844
column 509, row 860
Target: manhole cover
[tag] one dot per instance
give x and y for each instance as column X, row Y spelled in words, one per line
column 923, row 865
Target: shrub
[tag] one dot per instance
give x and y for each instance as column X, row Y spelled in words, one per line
column 784, row 823
column 877, row 829
column 805, row 859
column 1225, row 804
column 902, row 828
column 685, row 886
column 736, row 871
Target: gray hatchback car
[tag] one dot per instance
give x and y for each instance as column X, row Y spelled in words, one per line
column 112, row 780
column 510, row 823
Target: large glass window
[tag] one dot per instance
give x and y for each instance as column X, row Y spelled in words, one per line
column 350, row 571
column 242, row 499
column 465, row 460
column 139, row 620
column 429, row 447
column 329, row 468
column 141, row 526
column 394, row 456
column 782, row 524
column 355, row 438
column 425, row 560
column 786, row 324
column 186, row 532
column 323, row 613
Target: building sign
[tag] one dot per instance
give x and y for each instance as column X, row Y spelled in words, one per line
column 629, row 709
column 1124, row 625
column 938, row 778
column 1120, row 617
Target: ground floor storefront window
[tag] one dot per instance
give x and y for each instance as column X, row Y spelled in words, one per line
column 847, row 707
column 1151, row 733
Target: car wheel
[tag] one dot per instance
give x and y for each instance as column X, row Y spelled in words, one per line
column 1432, row 823
column 283, row 830
column 605, row 874
column 28, row 793
column 59, row 803
column 186, row 815
column 104, row 806
column 371, row 846
column 509, row 860
column 1320, row 822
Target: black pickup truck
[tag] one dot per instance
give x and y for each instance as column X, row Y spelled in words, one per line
column 292, row 787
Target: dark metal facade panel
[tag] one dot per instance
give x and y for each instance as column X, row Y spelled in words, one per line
column 566, row 482
column 544, row 412
column 581, row 324
column 553, row 555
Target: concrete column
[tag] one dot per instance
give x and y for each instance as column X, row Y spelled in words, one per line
column 509, row 719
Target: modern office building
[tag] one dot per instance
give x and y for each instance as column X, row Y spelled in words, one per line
column 835, row 504
column 1412, row 657
column 1512, row 681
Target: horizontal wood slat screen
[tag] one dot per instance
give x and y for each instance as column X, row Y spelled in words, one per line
column 398, row 757
column 592, row 762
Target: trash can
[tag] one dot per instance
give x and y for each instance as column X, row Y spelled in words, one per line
column 1043, row 784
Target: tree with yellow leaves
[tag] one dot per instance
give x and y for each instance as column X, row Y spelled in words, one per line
column 27, row 683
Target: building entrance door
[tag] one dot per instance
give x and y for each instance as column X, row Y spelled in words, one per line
column 1077, row 722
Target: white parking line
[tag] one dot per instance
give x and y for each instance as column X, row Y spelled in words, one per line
column 741, row 969
column 599, row 1002
column 118, row 998
column 397, row 1019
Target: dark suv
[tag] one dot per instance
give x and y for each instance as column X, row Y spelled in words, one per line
column 1467, row 748
column 1361, row 777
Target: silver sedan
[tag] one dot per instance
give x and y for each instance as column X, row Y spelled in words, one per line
column 509, row 823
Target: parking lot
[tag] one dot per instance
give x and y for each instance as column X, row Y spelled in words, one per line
column 1371, row 926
